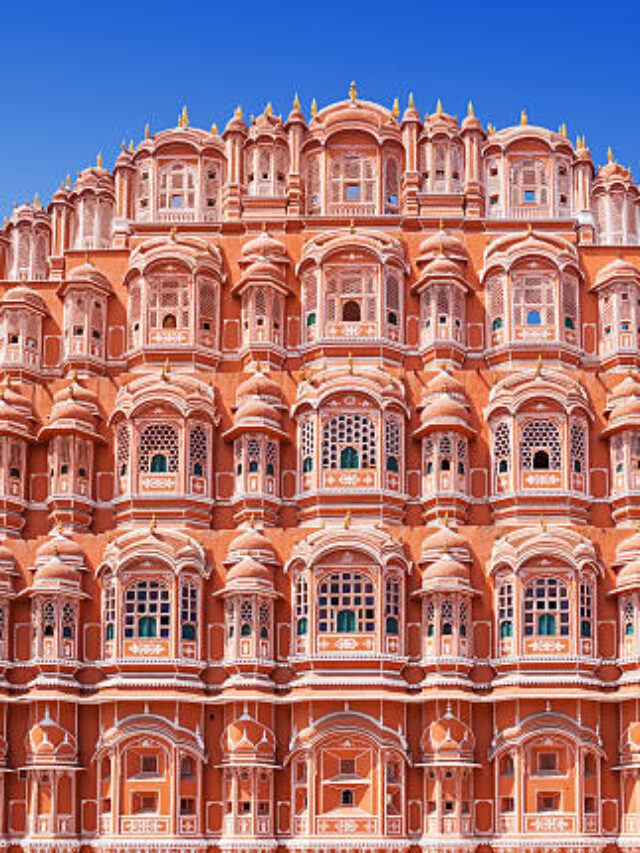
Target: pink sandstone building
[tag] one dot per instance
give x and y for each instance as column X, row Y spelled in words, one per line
column 319, row 493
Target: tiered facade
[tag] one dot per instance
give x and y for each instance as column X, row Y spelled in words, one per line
column 319, row 485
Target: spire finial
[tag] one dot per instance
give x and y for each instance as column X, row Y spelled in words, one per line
column 123, row 145
column 314, row 108
column 268, row 110
column 152, row 525
column 347, row 519
column 147, row 132
column 470, row 111
column 352, row 226
column 539, row 366
column 238, row 112
column 350, row 364
column 131, row 146
column 99, row 160
column 445, row 520
column 609, row 155
column 411, row 101
column 185, row 117
column 395, row 109
column 36, row 200
column 353, row 92
column 523, row 117
column 543, row 524
column 252, row 520
column 439, row 110
column 296, row 102
column 165, row 371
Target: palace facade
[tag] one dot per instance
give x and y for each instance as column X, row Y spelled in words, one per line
column 319, row 493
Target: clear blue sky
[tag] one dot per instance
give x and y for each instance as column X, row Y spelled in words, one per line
column 78, row 77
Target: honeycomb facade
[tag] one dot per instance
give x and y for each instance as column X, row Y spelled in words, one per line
column 319, row 485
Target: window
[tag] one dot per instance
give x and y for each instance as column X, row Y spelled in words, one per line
column 546, row 608
column 186, row 767
column 351, row 312
column 529, row 196
column 347, row 767
column 169, row 302
column 187, row 805
column 586, row 609
column 197, row 451
column 177, row 186
column 547, row 763
column 147, row 611
column 159, row 451
column 351, row 178
column 351, row 294
column 145, row 803
column 188, row 611
column 346, row 797
column 392, row 606
column 346, row 604
column 122, row 449
column 540, row 447
column 507, row 767
column 392, row 444
column 502, row 448
column 302, row 607
column 149, row 765
column 48, row 619
column 307, row 445
column 68, row 621
column 534, row 300
column 348, row 441
column 548, row 802
column 507, row 805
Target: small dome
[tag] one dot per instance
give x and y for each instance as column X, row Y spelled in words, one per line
column 251, row 543
column 14, row 406
column 629, row 575
column 55, row 573
column 630, row 743
column 445, row 383
column 445, row 540
column 87, row 272
column 441, row 266
column 448, row 736
column 249, row 570
column 264, row 246
column 442, row 243
column 259, row 385
column 59, row 545
column 50, row 742
column 629, row 387
column 446, row 569
column 444, row 411
column 21, row 294
column 628, row 550
column 258, row 410
column 247, row 740
column 615, row 270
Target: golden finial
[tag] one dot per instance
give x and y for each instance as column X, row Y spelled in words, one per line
column 238, row 112
column 124, row 145
column 539, row 366
column 173, row 233
column 99, row 160
column 439, row 110
column 268, row 110
column 164, row 375
column 296, row 102
column 350, row 360
column 131, row 146
column 445, row 520
column 152, row 525
column 353, row 92
column 395, row 109
column 412, row 103
column 303, row 374
column 58, row 529
column 185, row 117
column 523, row 117
column 252, row 520
column 470, row 112
column 543, row 524
column 36, row 200
column 352, row 226
column 147, row 132
column 529, row 227
column 563, row 130
column 314, row 108
column 347, row 519
column 609, row 155
column 214, row 129
column 441, row 224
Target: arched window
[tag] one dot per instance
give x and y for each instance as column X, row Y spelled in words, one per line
column 197, row 451
column 109, row 612
column 346, row 604
column 177, row 187
column 159, row 449
column 188, row 611
column 351, row 312
column 147, row 610
column 505, row 610
column 446, row 618
column 349, row 438
column 541, row 446
column 533, row 318
column 546, row 608
column 48, row 619
column 246, row 617
column 586, row 610
column 302, row 606
column 502, row 448
column 307, row 444
column 69, row 620
column 392, row 606
column 534, row 300
column 169, row 301
column 352, row 179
